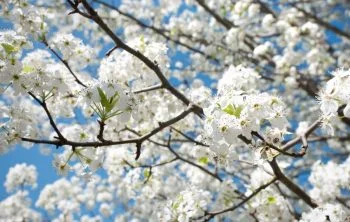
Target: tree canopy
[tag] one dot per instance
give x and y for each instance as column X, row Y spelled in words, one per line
column 181, row 110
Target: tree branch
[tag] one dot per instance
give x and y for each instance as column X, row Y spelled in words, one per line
column 296, row 140
column 151, row 88
column 323, row 23
column 291, row 185
column 138, row 141
column 65, row 63
column 226, row 23
column 153, row 28
column 213, row 214
column 52, row 122
column 152, row 65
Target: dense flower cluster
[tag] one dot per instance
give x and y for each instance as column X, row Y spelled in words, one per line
column 21, row 175
column 189, row 204
column 329, row 180
column 17, row 208
column 73, row 49
column 239, row 109
column 328, row 212
column 10, row 66
column 28, row 19
column 124, row 68
column 335, row 96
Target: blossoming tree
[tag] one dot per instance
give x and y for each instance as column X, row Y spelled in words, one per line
column 192, row 110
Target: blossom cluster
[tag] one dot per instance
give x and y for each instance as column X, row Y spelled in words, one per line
column 329, row 180
column 73, row 49
column 327, row 212
column 335, row 96
column 189, row 204
column 124, row 68
column 239, row 109
column 17, row 207
column 28, row 19
column 21, row 175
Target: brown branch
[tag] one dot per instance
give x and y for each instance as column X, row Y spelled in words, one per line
column 139, row 134
column 189, row 138
column 266, row 8
column 52, row 122
column 215, row 176
column 211, row 215
column 151, row 166
column 138, row 141
column 159, row 31
column 226, row 23
column 340, row 112
column 101, row 130
column 291, row 185
column 151, row 88
column 152, row 65
column 296, row 140
column 342, row 201
column 111, row 50
column 325, row 138
column 65, row 63
column 323, row 23
column 272, row 146
column 75, row 10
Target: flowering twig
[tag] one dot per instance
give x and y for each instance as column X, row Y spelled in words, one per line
column 151, row 88
column 52, row 122
column 189, row 138
column 150, row 64
column 322, row 23
column 151, row 27
column 291, row 185
column 61, row 141
column 295, row 141
column 210, row 215
column 65, row 63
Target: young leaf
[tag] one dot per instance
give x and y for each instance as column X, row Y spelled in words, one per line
column 103, row 97
column 203, row 160
column 233, row 110
column 8, row 48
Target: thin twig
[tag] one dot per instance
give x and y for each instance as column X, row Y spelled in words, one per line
column 189, row 138
column 52, row 122
column 150, row 64
column 147, row 89
column 138, row 141
column 211, row 215
column 65, row 63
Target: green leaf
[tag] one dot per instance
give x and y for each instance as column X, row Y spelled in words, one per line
column 115, row 113
column 147, row 173
column 177, row 203
column 103, row 97
column 27, row 69
column 113, row 101
column 9, row 48
column 233, row 110
column 271, row 200
column 203, row 160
